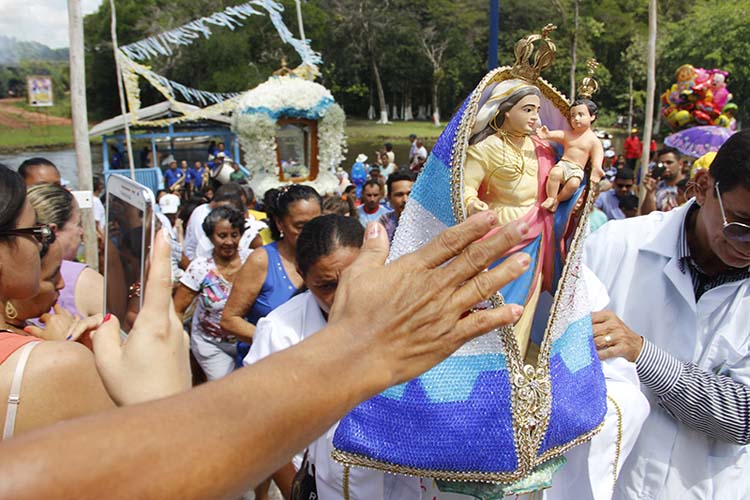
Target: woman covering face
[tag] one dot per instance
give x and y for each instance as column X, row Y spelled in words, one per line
column 326, row 246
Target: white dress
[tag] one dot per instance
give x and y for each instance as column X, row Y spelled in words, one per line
column 285, row 326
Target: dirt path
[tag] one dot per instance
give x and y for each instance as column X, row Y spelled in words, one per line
column 12, row 116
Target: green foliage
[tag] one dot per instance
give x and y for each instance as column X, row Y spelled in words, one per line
column 712, row 35
column 13, row 77
column 349, row 33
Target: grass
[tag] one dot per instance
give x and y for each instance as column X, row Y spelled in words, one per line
column 368, row 130
column 60, row 108
column 18, row 139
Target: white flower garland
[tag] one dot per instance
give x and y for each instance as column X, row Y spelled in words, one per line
column 331, row 139
column 256, row 134
column 254, row 122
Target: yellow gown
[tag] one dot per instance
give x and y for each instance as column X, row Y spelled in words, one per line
column 506, row 179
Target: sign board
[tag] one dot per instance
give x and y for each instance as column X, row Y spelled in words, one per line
column 40, row 90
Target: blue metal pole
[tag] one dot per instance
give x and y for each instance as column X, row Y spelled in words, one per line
column 494, row 33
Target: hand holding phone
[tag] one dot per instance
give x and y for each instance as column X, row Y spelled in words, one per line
column 129, row 233
column 658, row 171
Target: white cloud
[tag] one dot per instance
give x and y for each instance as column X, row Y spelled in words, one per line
column 44, row 21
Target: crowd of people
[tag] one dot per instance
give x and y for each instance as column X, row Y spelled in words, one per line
column 666, row 182
column 254, row 278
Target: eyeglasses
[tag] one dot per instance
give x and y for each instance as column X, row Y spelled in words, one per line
column 43, row 233
column 732, row 230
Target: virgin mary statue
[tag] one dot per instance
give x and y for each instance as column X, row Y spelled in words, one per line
column 505, row 407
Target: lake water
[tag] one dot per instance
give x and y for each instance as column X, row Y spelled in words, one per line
column 65, row 159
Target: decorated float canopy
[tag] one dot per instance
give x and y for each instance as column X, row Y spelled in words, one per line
column 291, row 131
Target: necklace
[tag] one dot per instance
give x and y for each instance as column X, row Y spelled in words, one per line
column 513, row 157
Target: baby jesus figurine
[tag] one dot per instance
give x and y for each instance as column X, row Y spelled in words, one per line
column 581, row 145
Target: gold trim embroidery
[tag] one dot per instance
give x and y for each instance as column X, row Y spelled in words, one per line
column 618, row 443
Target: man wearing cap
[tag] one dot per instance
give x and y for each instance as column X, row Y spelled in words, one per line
column 632, row 149
column 610, row 164
column 609, row 201
column 679, row 287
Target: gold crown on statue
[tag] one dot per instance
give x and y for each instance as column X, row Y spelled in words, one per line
column 543, row 59
column 588, row 85
column 283, row 70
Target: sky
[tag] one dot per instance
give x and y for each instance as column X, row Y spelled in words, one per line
column 44, row 21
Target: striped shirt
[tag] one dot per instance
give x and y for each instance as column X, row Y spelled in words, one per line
column 711, row 403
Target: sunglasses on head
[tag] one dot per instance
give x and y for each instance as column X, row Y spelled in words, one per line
column 43, row 233
column 736, row 231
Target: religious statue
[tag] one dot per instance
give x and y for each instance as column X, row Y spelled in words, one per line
column 498, row 415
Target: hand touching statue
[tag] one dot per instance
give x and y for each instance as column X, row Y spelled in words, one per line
column 475, row 206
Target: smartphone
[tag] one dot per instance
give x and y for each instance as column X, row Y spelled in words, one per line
column 658, row 171
column 128, row 235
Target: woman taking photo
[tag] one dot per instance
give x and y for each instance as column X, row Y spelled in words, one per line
column 61, row 380
column 269, row 278
column 19, row 312
column 210, row 279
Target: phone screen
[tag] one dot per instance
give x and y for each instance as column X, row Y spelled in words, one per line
column 129, row 232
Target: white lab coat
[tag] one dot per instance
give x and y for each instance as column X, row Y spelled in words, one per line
column 637, row 260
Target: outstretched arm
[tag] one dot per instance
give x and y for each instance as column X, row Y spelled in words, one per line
column 597, row 158
column 181, row 447
column 546, row 134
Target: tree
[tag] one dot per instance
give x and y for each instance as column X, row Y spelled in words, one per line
column 712, row 35
column 434, row 50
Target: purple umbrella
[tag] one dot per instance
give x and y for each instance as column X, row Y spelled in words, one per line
column 697, row 141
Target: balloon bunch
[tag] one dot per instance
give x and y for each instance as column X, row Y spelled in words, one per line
column 699, row 97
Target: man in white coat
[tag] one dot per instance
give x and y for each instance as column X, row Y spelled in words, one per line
column 680, row 309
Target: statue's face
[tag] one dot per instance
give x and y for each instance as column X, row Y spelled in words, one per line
column 522, row 118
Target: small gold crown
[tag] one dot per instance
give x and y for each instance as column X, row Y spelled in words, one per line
column 543, row 59
column 588, row 85
column 283, row 70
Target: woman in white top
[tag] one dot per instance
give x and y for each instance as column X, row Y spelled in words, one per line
column 326, row 246
column 210, row 280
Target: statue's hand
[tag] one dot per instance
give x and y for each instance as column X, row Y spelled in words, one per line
column 543, row 132
column 597, row 174
column 476, row 205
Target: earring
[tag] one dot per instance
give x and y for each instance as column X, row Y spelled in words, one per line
column 10, row 311
column 281, row 234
